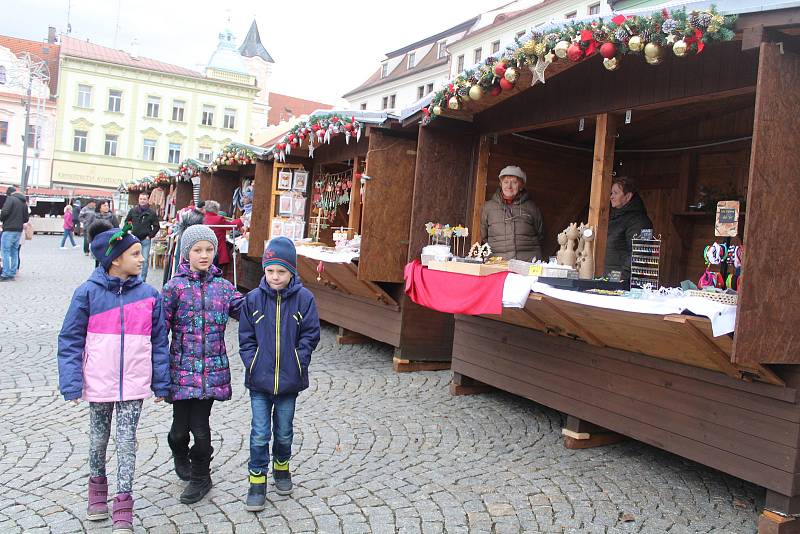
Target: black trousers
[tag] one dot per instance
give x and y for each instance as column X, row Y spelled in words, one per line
column 191, row 415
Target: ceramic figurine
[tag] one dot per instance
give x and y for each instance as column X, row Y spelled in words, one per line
column 569, row 257
column 586, row 268
column 562, row 247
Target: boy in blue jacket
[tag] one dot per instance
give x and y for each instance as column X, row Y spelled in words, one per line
column 278, row 331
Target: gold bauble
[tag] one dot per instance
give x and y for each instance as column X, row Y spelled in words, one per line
column 437, row 110
column 530, row 48
column 453, row 103
column 561, row 49
column 653, row 60
column 680, row 48
column 652, row 50
column 611, row 63
column 539, row 50
column 475, row 92
column 635, row 44
column 511, row 74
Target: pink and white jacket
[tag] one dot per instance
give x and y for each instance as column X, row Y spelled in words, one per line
column 113, row 344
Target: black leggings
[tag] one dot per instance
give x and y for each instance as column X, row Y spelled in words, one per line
column 191, row 416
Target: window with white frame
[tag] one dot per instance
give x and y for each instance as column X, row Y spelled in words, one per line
column 477, row 55
column 111, row 145
column 363, row 105
column 3, row 132
column 495, row 47
column 392, row 101
column 2, row 75
column 153, row 106
column 208, row 116
column 149, row 150
column 420, row 91
column 79, row 140
column 385, row 102
column 229, row 119
column 594, row 9
column 384, row 70
column 34, row 136
column 429, row 88
column 412, row 60
column 174, row 153
column 204, row 155
column 178, row 107
column 442, row 51
column 460, row 63
column 114, row 100
column 84, row 96
column 571, row 15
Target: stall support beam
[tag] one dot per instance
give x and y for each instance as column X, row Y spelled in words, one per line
column 479, row 192
column 354, row 211
column 402, row 365
column 773, row 523
column 602, row 168
column 580, row 434
column 348, row 337
column 464, row 385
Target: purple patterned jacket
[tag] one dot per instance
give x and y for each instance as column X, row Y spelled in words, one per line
column 197, row 306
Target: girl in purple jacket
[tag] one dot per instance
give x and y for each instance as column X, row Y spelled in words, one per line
column 112, row 351
column 197, row 303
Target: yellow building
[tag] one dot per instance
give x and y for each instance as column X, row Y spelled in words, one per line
column 121, row 117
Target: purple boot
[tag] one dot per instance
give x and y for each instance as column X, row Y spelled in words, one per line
column 123, row 514
column 98, row 499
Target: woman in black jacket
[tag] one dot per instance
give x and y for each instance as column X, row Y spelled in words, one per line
column 628, row 217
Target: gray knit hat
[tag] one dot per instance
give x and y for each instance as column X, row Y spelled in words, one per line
column 193, row 234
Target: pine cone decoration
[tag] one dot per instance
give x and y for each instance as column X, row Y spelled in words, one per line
column 693, row 19
column 491, row 60
column 669, row 26
column 463, row 92
column 621, row 34
column 703, row 20
column 646, row 36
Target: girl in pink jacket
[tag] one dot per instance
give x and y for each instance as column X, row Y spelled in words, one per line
column 112, row 351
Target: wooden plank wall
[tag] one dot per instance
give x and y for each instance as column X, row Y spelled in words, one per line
column 183, row 195
column 769, row 304
column 260, row 218
column 749, row 430
column 558, row 180
column 387, row 207
column 722, row 67
column 220, row 186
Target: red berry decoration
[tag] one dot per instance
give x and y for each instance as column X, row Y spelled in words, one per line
column 608, row 50
column 500, row 70
column 496, row 90
column 505, row 84
column 575, row 52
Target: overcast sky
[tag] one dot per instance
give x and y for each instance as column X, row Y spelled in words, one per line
column 322, row 49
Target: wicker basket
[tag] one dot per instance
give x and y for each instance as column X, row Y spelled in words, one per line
column 722, row 298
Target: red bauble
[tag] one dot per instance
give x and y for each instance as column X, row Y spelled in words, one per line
column 505, row 84
column 608, row 50
column 500, row 70
column 348, row 127
column 291, row 138
column 575, row 52
column 335, row 119
column 496, row 90
column 315, row 127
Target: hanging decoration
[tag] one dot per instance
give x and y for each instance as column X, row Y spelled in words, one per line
column 233, row 155
column 684, row 32
column 189, row 169
column 331, row 191
column 316, row 130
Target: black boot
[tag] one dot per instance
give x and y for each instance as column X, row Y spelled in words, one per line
column 200, row 481
column 180, row 455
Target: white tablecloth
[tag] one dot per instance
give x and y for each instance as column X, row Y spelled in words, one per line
column 317, row 253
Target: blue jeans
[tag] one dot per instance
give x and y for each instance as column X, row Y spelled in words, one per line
column 9, row 244
column 146, row 254
column 67, row 233
column 275, row 412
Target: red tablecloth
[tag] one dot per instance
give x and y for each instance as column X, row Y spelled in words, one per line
column 453, row 292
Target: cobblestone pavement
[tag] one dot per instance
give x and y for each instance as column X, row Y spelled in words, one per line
column 375, row 451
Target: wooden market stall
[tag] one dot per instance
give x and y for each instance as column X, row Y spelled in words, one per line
column 691, row 130
column 364, row 297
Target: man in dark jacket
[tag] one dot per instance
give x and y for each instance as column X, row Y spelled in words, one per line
column 628, row 217
column 13, row 216
column 145, row 226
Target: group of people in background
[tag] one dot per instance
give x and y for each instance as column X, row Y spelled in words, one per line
column 114, row 351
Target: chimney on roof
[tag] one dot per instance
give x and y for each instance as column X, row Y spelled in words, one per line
column 51, row 34
column 134, row 48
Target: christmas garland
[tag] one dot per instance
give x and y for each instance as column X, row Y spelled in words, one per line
column 233, row 154
column 188, row 170
column 622, row 35
column 141, row 184
column 317, row 129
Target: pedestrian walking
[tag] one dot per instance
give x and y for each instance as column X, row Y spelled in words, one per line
column 86, row 218
column 111, row 310
column 278, row 331
column 14, row 215
column 145, row 227
column 69, row 227
column 197, row 304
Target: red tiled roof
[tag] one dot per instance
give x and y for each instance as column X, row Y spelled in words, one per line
column 46, row 52
column 86, row 50
column 283, row 107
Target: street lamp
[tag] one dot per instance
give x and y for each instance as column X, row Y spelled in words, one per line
column 33, row 75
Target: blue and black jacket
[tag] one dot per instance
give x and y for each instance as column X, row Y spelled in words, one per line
column 278, row 331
